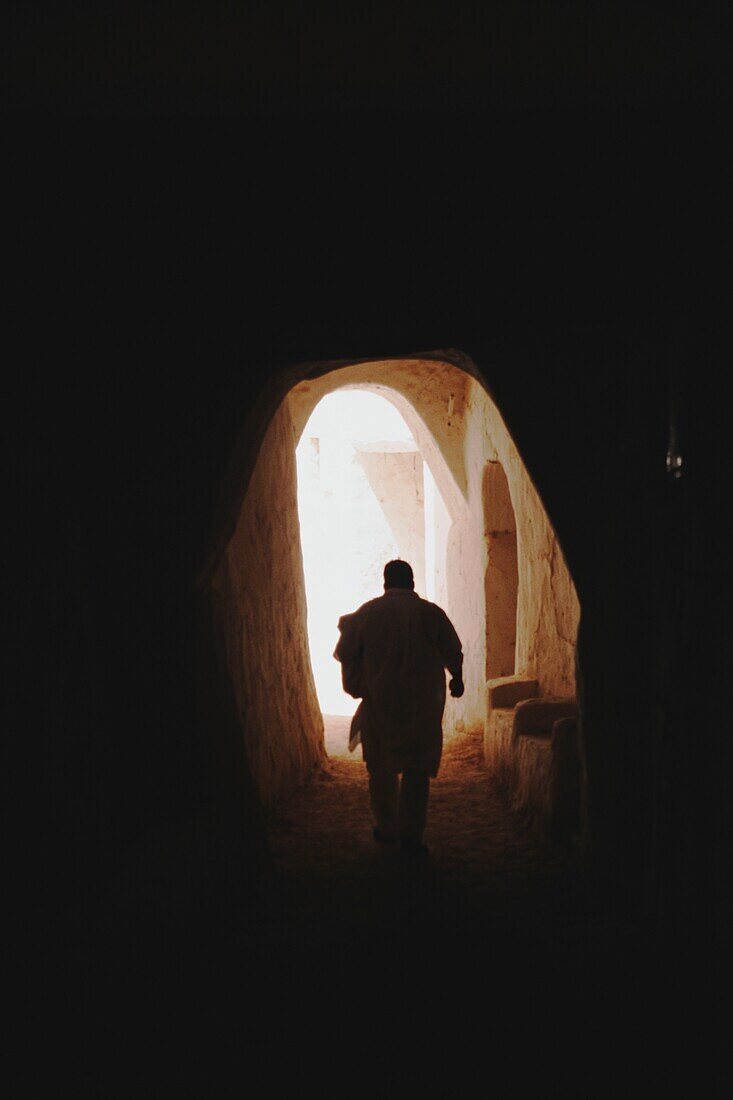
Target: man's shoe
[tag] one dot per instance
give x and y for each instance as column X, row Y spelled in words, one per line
column 383, row 838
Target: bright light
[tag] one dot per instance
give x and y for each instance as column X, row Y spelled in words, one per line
column 362, row 488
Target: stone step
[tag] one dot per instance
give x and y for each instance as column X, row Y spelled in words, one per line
column 507, row 691
column 532, row 750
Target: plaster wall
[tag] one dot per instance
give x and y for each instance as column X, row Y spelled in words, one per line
column 396, row 480
column 442, row 524
column 262, row 596
column 548, row 611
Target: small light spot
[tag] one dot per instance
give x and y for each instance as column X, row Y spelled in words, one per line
column 674, row 464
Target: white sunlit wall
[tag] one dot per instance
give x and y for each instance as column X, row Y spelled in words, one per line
column 365, row 496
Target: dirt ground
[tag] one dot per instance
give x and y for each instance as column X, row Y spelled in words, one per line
column 348, row 958
column 489, row 882
column 481, row 856
column 494, row 932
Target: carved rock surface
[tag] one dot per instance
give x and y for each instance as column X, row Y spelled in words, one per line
column 262, row 600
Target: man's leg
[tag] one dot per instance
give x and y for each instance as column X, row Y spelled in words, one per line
column 413, row 806
column 383, row 793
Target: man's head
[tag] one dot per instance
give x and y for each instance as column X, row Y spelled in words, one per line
column 398, row 574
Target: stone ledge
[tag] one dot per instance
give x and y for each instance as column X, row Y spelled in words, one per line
column 540, row 765
column 538, row 738
column 507, row 691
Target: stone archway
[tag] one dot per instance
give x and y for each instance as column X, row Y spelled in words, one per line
column 259, row 583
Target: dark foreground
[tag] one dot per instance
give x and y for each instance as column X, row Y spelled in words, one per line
column 493, row 957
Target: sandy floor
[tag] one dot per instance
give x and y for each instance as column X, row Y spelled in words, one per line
column 331, row 883
column 347, row 955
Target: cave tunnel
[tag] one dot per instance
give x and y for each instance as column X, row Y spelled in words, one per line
column 545, row 719
column 448, row 491
column 538, row 706
column 187, row 228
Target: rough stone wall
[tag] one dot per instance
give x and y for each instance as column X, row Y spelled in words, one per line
column 548, row 611
column 466, row 563
column 442, row 528
column 262, row 600
column 501, row 579
column 501, row 585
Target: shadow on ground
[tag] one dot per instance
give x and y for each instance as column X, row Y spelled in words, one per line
column 346, row 950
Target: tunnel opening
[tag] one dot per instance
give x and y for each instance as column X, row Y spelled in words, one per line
column 366, row 495
column 491, row 558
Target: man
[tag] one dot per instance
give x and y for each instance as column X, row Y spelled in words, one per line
column 393, row 652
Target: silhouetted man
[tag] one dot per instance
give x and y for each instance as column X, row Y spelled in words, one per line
column 393, row 652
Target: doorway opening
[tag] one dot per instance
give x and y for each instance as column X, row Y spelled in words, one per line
column 366, row 495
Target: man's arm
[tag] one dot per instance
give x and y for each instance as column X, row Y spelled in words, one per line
column 451, row 654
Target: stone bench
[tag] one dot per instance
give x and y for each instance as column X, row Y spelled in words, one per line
column 532, row 748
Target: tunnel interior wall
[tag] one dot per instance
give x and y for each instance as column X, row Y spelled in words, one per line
column 169, row 324
column 261, row 594
column 501, row 578
column 548, row 610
